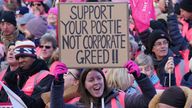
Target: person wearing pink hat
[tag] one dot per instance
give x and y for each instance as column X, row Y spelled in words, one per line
column 52, row 18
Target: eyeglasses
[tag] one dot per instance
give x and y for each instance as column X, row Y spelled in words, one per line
column 72, row 75
column 46, row 47
column 165, row 42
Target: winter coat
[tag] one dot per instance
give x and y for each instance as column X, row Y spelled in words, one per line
column 187, row 80
column 3, row 94
column 34, row 101
column 178, row 43
column 130, row 101
column 6, row 40
column 189, row 36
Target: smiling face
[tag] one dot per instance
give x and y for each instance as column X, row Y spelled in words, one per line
column 52, row 19
column 25, row 62
column 94, row 83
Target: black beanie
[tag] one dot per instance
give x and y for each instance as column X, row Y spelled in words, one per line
column 173, row 96
column 155, row 35
column 186, row 5
column 8, row 16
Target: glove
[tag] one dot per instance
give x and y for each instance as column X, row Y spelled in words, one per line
column 11, row 80
column 133, row 68
column 60, row 69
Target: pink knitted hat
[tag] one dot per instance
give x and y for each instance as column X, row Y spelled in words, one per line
column 53, row 10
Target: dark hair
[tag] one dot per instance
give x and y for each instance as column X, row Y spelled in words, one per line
column 46, row 8
column 173, row 96
column 85, row 95
column 11, row 44
column 79, row 72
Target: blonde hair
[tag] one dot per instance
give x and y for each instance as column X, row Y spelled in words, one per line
column 55, row 55
column 119, row 78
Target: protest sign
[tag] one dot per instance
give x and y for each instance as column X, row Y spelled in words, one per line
column 93, row 34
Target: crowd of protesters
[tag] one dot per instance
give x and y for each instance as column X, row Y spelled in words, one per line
column 158, row 74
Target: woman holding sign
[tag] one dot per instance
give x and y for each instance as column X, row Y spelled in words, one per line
column 96, row 94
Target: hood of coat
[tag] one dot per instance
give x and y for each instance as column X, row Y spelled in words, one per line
column 188, row 93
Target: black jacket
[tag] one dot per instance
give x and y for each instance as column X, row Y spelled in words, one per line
column 33, row 101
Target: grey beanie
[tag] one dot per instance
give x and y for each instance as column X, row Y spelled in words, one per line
column 8, row 16
column 25, row 18
column 37, row 26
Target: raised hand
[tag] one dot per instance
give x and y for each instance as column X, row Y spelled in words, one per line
column 60, row 69
column 133, row 68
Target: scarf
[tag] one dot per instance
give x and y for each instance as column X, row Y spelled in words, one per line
column 36, row 67
column 9, row 38
column 160, row 64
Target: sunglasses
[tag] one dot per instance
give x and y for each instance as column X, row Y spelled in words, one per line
column 39, row 4
column 46, row 47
